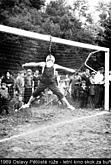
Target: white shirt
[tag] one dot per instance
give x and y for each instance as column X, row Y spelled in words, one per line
column 99, row 78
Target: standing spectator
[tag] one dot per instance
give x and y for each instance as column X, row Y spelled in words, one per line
column 83, row 94
column 86, row 77
column 19, row 84
column 4, row 98
column 92, row 90
column 0, row 82
column 67, row 84
column 57, row 77
column 28, row 85
column 99, row 88
column 75, row 86
column 36, row 79
column 9, row 83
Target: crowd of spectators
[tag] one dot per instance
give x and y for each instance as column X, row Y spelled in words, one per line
column 85, row 87
column 88, row 88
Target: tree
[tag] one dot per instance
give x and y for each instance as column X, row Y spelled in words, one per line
column 103, row 29
column 56, row 20
column 21, row 14
column 103, row 9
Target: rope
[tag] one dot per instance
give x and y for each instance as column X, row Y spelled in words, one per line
column 50, row 45
column 85, row 63
column 88, row 59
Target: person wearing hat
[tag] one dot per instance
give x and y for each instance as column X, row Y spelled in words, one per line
column 48, row 80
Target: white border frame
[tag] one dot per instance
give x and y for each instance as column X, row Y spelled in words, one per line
column 35, row 35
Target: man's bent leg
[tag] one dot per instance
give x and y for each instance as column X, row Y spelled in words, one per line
column 40, row 89
column 57, row 92
column 68, row 104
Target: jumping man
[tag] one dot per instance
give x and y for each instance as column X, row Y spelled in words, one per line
column 48, row 80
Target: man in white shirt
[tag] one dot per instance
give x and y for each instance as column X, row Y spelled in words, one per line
column 99, row 88
column 99, row 77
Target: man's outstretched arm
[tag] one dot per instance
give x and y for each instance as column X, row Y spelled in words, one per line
column 64, row 68
column 34, row 64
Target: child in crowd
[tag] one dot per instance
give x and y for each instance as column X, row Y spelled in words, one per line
column 18, row 103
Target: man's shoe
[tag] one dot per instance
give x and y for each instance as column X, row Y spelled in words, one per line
column 25, row 106
column 71, row 107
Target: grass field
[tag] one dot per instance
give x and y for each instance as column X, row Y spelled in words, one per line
column 55, row 132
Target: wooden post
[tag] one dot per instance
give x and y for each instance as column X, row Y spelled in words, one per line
column 106, row 105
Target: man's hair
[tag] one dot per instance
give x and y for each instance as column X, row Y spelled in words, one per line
column 50, row 58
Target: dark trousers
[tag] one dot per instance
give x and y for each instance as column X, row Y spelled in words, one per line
column 99, row 96
column 83, row 100
column 52, row 86
column 11, row 92
column 75, row 92
column 4, row 105
column 92, row 101
column 27, row 94
column 92, row 96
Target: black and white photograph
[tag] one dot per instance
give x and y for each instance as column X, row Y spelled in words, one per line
column 55, row 82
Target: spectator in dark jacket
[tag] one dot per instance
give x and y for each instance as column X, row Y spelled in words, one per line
column 4, row 98
column 9, row 83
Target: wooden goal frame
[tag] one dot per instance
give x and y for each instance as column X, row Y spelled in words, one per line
column 35, row 35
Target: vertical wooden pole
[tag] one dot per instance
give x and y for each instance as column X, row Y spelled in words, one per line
column 106, row 106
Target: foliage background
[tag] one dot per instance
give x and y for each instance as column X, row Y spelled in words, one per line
column 56, row 19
